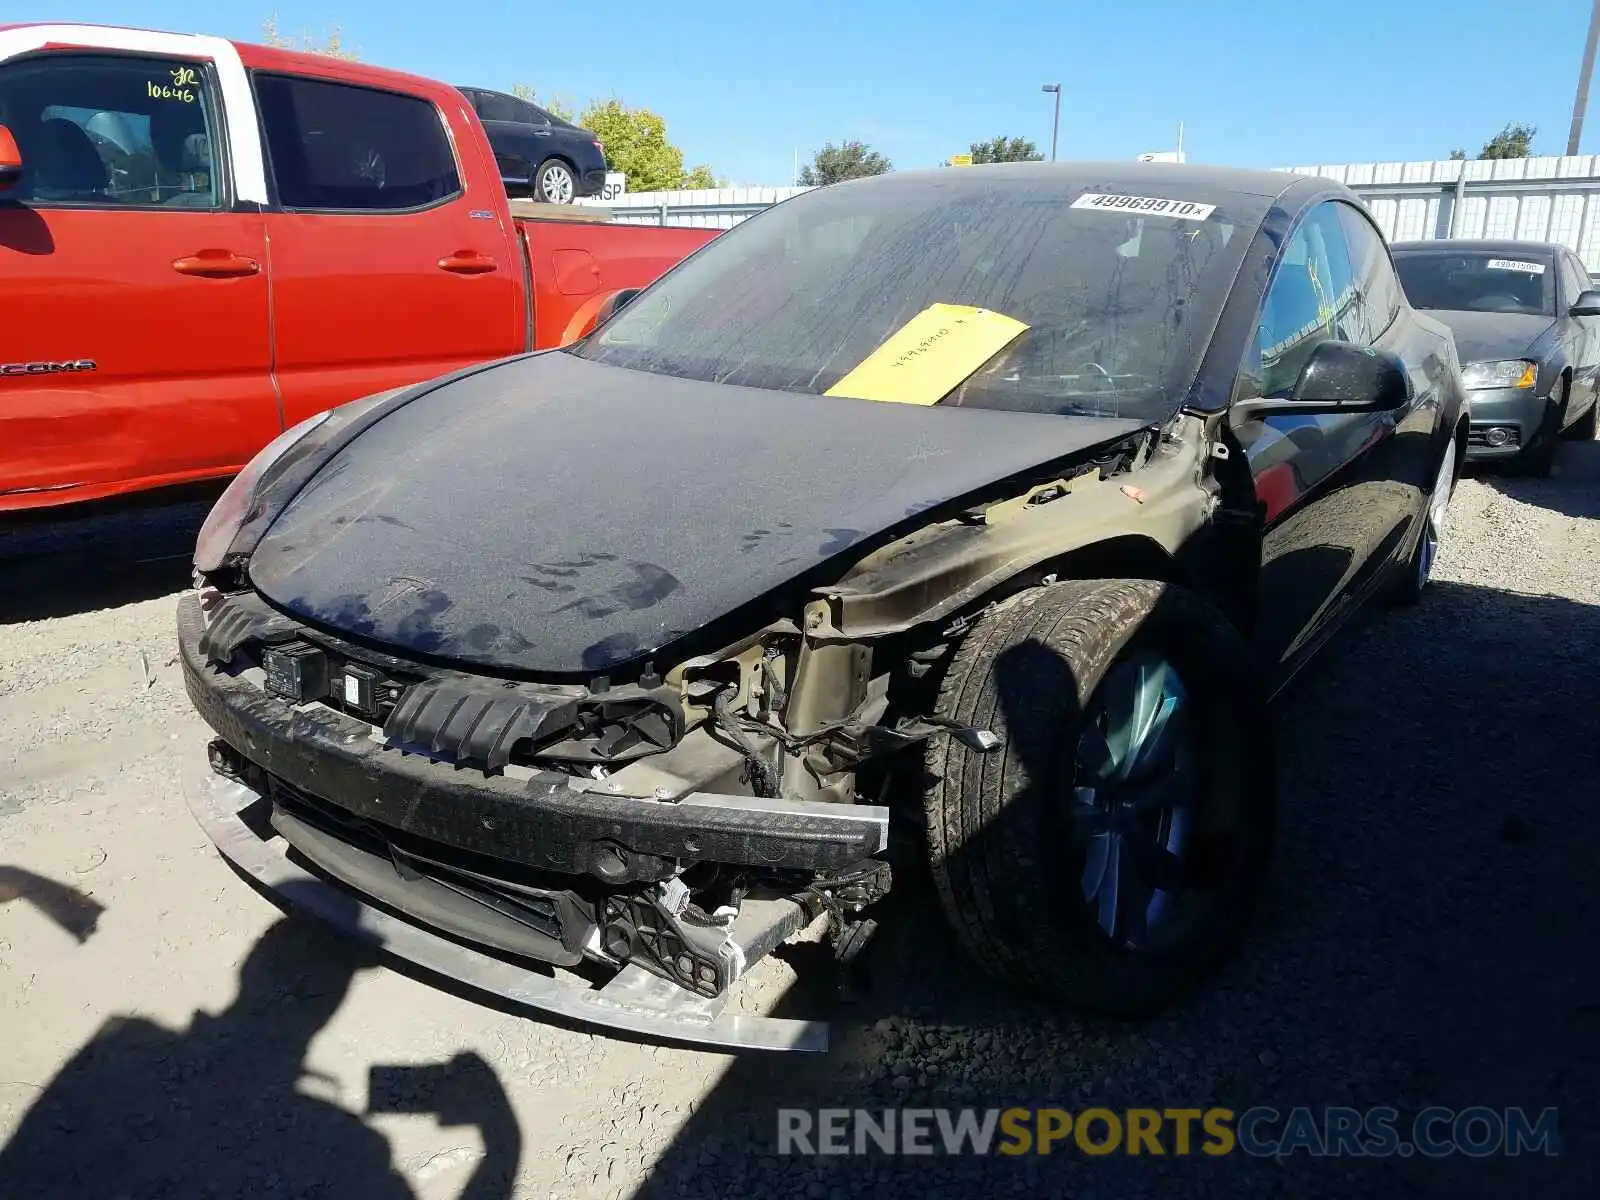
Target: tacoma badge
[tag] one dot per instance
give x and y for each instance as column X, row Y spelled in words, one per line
column 48, row 368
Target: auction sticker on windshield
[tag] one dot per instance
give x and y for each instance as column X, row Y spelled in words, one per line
column 1513, row 264
column 1145, row 206
column 924, row 360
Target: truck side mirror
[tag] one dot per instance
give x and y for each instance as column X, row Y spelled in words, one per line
column 10, row 160
column 614, row 303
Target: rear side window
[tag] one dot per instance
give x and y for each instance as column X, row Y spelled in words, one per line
column 343, row 148
column 1378, row 289
column 111, row 131
column 496, row 106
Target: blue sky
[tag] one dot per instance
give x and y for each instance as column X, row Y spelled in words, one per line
column 744, row 85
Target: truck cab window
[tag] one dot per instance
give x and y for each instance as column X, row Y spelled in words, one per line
column 343, row 148
column 111, row 131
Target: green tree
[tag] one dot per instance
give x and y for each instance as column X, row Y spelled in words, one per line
column 1514, row 141
column 701, row 177
column 1457, row 155
column 636, row 144
column 849, row 160
column 1003, row 149
column 555, row 106
column 331, row 45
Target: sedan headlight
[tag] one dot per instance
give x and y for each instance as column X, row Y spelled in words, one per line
column 1508, row 373
column 223, row 522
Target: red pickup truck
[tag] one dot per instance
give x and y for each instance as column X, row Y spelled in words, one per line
column 204, row 242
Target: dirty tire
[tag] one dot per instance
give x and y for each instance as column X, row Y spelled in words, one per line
column 1004, row 858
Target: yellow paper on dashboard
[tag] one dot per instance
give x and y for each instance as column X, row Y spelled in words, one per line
column 924, row 360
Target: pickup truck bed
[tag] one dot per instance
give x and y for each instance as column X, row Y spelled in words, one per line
column 206, row 242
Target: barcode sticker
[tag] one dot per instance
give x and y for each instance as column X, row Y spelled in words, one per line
column 352, row 690
column 1145, row 206
column 1514, row 264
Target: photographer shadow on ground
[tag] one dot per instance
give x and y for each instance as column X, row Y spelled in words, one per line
column 1427, row 940
column 221, row 1107
column 69, row 908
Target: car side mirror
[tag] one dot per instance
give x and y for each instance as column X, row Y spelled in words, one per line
column 10, row 160
column 614, row 304
column 1587, row 305
column 1339, row 377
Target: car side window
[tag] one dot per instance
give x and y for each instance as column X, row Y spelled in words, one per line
column 1378, row 290
column 1574, row 279
column 112, row 131
column 344, row 148
column 1311, row 299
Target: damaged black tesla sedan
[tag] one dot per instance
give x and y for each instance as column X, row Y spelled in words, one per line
column 986, row 507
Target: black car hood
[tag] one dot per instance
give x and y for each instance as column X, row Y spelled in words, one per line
column 1485, row 337
column 554, row 515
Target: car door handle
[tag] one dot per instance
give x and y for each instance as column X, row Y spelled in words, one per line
column 468, row 262
column 541, row 133
column 216, row 264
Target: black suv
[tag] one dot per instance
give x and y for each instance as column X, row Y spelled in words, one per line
column 540, row 155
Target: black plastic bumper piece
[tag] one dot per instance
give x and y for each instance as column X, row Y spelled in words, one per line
column 543, row 822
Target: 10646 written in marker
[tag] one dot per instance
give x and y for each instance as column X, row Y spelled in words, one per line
column 1146, row 206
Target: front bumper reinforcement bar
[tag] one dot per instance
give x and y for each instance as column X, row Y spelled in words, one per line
column 633, row 1001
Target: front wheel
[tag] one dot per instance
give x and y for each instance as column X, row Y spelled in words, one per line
column 553, row 183
column 1111, row 851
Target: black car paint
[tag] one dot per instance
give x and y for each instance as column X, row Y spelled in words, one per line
column 1352, row 516
column 557, row 516
column 522, row 147
column 1357, row 495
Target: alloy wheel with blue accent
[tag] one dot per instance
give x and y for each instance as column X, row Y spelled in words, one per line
column 1133, row 798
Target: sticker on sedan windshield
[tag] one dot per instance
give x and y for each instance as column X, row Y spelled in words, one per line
column 1515, row 264
column 1146, row 206
column 924, row 360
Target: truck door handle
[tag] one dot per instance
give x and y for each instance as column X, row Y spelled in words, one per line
column 216, row 264
column 468, row 262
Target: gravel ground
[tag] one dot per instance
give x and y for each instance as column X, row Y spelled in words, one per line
column 1428, row 939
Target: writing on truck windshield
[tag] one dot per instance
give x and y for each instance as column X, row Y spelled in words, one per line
column 1078, row 304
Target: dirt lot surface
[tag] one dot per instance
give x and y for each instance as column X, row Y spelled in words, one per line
column 1430, row 938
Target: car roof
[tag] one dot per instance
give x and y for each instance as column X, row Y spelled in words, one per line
column 1246, row 197
column 1203, row 181
column 1477, row 246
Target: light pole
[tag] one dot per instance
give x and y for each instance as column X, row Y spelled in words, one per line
column 1055, row 125
column 1584, row 72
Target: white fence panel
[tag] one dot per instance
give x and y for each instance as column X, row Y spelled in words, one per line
column 1541, row 199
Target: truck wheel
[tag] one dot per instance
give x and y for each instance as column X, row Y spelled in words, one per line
column 1110, row 852
column 553, row 183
